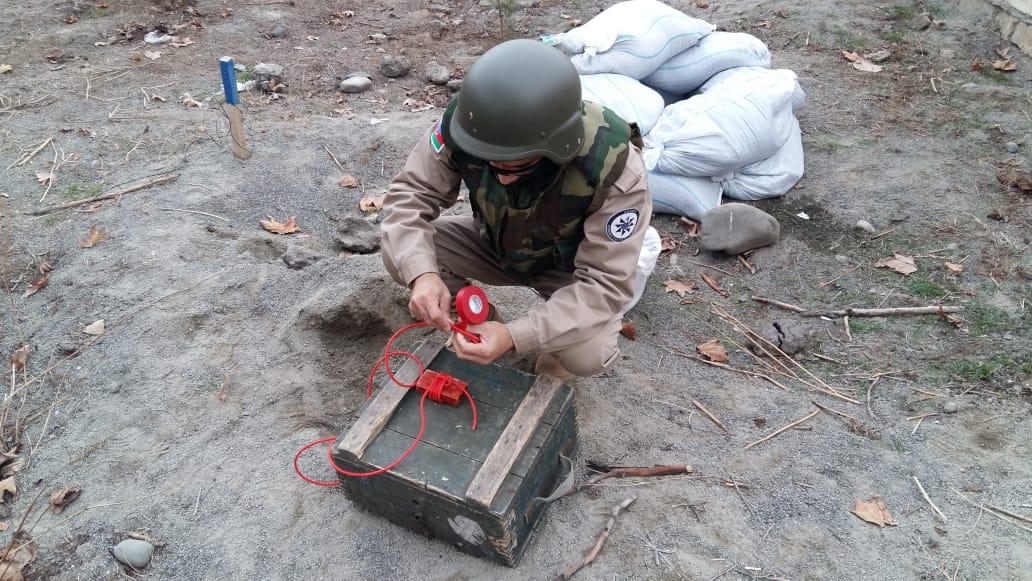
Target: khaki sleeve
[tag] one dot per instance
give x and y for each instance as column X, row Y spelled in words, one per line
column 603, row 281
column 428, row 182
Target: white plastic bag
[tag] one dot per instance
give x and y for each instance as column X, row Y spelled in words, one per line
column 651, row 246
column 683, row 196
column 715, row 53
column 743, row 116
column 772, row 177
column 628, row 98
column 632, row 38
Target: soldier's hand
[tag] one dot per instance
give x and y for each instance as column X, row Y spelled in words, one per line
column 431, row 301
column 494, row 341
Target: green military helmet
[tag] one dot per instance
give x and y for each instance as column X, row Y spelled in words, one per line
column 521, row 99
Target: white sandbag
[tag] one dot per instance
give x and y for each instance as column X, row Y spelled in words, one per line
column 683, row 196
column 742, row 118
column 772, row 177
column 628, row 98
column 716, row 52
column 651, row 247
column 632, row 38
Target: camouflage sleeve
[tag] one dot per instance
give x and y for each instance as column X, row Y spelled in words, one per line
column 606, row 265
column 428, row 182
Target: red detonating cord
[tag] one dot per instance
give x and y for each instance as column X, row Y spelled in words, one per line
column 433, row 393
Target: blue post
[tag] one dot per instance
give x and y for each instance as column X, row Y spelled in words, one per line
column 229, row 81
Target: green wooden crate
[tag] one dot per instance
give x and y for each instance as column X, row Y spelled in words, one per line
column 476, row 490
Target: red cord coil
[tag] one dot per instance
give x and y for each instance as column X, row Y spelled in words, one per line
column 434, row 393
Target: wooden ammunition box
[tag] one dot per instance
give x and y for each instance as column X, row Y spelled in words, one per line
column 477, row 490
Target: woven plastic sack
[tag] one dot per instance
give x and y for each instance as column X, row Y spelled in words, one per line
column 651, row 247
column 743, row 116
column 683, row 196
column 628, row 98
column 632, row 38
column 772, row 177
column 715, row 53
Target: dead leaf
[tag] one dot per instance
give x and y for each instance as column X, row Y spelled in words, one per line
column 43, row 177
column 681, row 287
column 17, row 556
column 348, row 181
column 186, row 41
column 62, row 498
column 701, row 4
column 287, row 227
column 158, row 98
column 667, row 244
column 867, row 66
column 850, row 56
column 11, row 468
column 879, row 56
column 628, row 330
column 371, row 203
column 5, row 68
column 4, row 526
column 8, row 485
column 953, row 320
column 901, row 263
column 45, row 267
column 152, row 54
column 1019, row 180
column 976, row 65
column 95, row 235
column 874, row 511
column 36, row 285
column 713, row 351
column 1003, row 52
column 94, row 328
column 691, row 226
column 101, row 5
column 71, row 19
column 957, row 268
column 20, row 357
column 712, row 283
column 1007, row 66
column 191, row 102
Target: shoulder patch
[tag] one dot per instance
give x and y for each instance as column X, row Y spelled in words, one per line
column 622, row 224
column 437, row 138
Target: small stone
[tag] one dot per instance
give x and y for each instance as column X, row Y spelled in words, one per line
column 842, row 259
column 753, row 228
column 378, row 38
column 278, row 31
column 1012, row 147
column 155, row 37
column 865, row 226
column 68, row 347
column 133, row 552
column 395, row 66
column 952, row 246
column 947, row 54
column 266, row 71
column 297, row 257
column 239, row 68
column 357, row 235
column 356, row 85
column 1008, row 336
column 437, row 74
column 438, row 28
column 921, row 21
column 950, row 407
column 454, row 85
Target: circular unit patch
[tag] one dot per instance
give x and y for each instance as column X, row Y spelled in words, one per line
column 622, row 224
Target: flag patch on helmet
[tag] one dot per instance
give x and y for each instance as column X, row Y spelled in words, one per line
column 622, row 224
column 437, row 138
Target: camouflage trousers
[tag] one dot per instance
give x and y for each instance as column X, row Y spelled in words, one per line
column 461, row 256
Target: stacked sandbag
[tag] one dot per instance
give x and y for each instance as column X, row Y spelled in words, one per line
column 683, row 195
column 627, row 97
column 742, row 116
column 772, row 177
column 632, row 38
column 715, row 53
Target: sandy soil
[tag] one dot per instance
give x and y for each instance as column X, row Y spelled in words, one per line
column 218, row 361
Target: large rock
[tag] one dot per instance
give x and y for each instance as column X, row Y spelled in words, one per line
column 266, row 71
column 395, row 66
column 356, row 84
column 737, row 228
column 133, row 552
column 297, row 257
column 357, row 235
column 437, row 73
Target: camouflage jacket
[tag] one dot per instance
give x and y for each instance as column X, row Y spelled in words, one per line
column 537, row 223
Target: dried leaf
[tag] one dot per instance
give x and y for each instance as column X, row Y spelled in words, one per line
column 867, row 66
column 712, row 283
column 45, row 267
column 12, row 468
column 20, row 357
column 953, row 320
column 691, row 226
column 681, row 287
column 371, row 203
column 713, row 351
column 850, row 56
column 35, row 285
column 62, row 498
column 957, row 268
column 191, row 102
column 348, row 181
column 43, row 177
column 1007, row 66
column 874, row 511
column 879, row 55
column 287, row 227
column 158, row 98
column 4, row 69
column 901, row 263
column 186, row 41
column 701, row 4
column 1019, row 180
column 8, row 485
column 667, row 244
column 1004, row 53
column 152, row 54
column 976, row 65
column 4, row 526
column 91, row 239
column 17, row 556
column 94, row 328
column 628, row 330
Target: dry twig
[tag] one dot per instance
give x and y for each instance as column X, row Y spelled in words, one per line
column 594, row 551
column 160, row 179
column 784, row 429
column 924, row 494
column 857, row 312
column 709, row 415
column 333, row 157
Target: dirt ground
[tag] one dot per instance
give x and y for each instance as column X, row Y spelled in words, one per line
column 179, row 423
